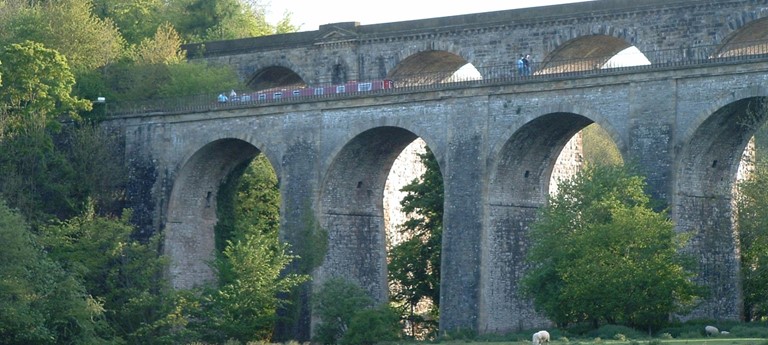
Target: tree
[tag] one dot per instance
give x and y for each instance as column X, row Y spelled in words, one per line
column 414, row 264
column 600, row 253
column 125, row 275
column 34, row 100
column 598, row 147
column 37, row 89
column 136, row 19
column 40, row 303
column 751, row 218
column 251, row 259
column 335, row 303
column 207, row 20
column 68, row 26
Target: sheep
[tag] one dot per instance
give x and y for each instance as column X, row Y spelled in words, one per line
column 540, row 337
column 711, row 330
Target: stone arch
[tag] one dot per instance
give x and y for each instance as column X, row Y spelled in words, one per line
column 191, row 214
column 583, row 53
column 434, row 64
column 704, row 176
column 350, row 208
column 569, row 108
column 749, row 91
column 275, row 74
column 744, row 34
column 518, row 185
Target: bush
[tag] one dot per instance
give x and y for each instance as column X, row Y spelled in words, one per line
column 336, row 303
column 370, row 326
column 614, row 331
column 750, row 330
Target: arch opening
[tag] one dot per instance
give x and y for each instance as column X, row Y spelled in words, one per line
column 190, row 242
column 752, row 39
column 360, row 208
column 432, row 67
column 718, row 155
column 275, row 77
column 592, row 52
column 526, row 172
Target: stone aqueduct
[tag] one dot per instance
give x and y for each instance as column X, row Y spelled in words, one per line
column 685, row 124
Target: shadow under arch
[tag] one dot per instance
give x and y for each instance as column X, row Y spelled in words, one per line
column 583, row 53
column 351, row 209
column 191, row 216
column 274, row 77
column 703, row 201
column 751, row 39
column 431, row 67
column 518, row 186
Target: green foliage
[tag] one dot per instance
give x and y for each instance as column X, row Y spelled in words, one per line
column 752, row 203
column 244, row 307
column 40, row 303
column 414, row 264
column 124, row 275
column 96, row 158
column 616, row 332
column 372, row 325
column 601, row 254
column 36, row 91
column 35, row 97
column 598, row 147
column 68, row 26
column 137, row 19
column 348, row 315
column 252, row 258
column 164, row 48
column 210, row 20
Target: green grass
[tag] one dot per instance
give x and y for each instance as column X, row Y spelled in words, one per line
column 703, row 341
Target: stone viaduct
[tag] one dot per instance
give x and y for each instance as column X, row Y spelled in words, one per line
column 685, row 119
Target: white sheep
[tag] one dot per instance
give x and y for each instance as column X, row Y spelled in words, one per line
column 540, row 337
column 711, row 330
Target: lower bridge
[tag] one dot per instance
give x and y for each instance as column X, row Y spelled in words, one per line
column 685, row 125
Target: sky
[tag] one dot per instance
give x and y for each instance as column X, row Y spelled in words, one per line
column 310, row 14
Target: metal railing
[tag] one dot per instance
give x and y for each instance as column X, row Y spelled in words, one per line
column 669, row 58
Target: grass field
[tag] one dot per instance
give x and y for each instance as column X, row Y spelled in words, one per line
column 703, row 341
column 718, row 341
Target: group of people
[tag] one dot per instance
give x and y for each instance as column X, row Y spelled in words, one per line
column 224, row 99
column 524, row 65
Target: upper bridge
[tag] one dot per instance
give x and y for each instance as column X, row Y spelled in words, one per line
column 684, row 119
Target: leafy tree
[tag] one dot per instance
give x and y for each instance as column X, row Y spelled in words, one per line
column 35, row 97
column 244, row 308
column 68, row 26
column 124, row 276
column 157, row 68
column 414, row 264
column 251, row 260
column 598, row 147
column 95, row 156
column 206, row 20
column 37, row 89
column 136, row 19
column 336, row 303
column 162, row 48
column 39, row 302
column 752, row 203
column 599, row 253
column 371, row 326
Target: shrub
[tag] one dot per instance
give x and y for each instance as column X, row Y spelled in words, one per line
column 614, row 331
column 369, row 326
column 336, row 303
